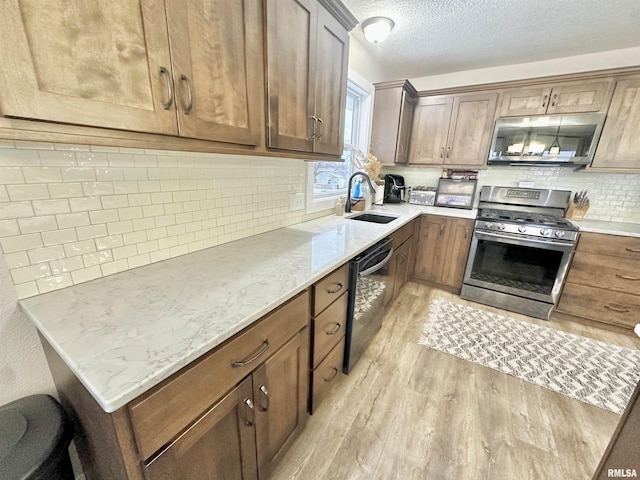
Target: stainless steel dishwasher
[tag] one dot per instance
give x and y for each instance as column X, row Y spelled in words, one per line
column 368, row 286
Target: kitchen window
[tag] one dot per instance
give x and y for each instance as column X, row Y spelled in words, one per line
column 326, row 181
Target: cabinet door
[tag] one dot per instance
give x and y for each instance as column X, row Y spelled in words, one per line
column 525, row 101
column 221, row 444
column 619, row 145
column 402, row 265
column 429, row 133
column 456, row 250
column 92, row 63
column 291, row 44
column 387, row 107
column 471, row 129
column 586, row 96
column 217, row 66
column 430, row 248
column 332, row 63
column 280, row 389
column 404, row 132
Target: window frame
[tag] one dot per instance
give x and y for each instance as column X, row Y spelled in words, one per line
column 365, row 91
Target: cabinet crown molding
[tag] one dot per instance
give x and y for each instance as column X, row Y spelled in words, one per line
column 341, row 12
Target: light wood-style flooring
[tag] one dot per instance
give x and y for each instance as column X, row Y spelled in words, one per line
column 408, row 412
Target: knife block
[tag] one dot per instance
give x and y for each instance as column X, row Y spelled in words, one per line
column 577, row 213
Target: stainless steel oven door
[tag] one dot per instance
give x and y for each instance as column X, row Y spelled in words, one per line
column 521, row 266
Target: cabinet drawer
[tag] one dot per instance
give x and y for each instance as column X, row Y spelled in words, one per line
column 600, row 305
column 327, row 290
column 606, row 271
column 174, row 404
column 329, row 327
column 402, row 234
column 603, row 244
column 327, row 374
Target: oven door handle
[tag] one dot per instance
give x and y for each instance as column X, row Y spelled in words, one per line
column 377, row 266
column 521, row 240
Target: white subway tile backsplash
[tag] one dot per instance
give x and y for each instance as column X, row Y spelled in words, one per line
column 21, row 243
column 22, row 192
column 126, row 187
column 115, row 201
column 109, row 174
column 38, row 224
column 124, row 252
column 104, row 216
column 59, row 237
column 16, row 260
column 30, row 273
column 78, row 174
column 46, row 254
column 92, row 159
column 9, row 175
column 51, row 207
column 111, row 241
column 144, row 223
column 114, row 267
column 97, row 188
column 116, row 228
column 19, row 158
column 79, row 248
column 85, row 204
column 41, row 174
column 9, row 228
column 139, row 260
column 97, row 258
column 66, row 265
column 134, row 238
column 57, row 159
column 129, row 213
column 86, row 274
column 4, row 195
column 71, row 220
column 91, row 231
column 28, row 289
column 55, row 282
column 135, row 174
column 65, row 190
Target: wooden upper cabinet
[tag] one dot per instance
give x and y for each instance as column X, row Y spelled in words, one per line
column 574, row 97
column 217, row 67
column 332, row 65
column 619, row 145
column 393, row 106
column 307, row 62
column 470, row 129
column 429, row 132
column 92, row 63
column 453, row 130
column 291, row 43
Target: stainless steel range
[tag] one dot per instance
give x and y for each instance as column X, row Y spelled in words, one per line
column 521, row 249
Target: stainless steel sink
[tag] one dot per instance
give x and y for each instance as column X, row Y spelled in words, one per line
column 373, row 218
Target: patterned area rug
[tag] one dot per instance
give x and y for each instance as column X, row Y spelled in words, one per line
column 588, row 370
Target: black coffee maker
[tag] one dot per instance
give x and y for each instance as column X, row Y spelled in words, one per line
column 394, row 189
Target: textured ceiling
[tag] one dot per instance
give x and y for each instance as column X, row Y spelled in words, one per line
column 440, row 36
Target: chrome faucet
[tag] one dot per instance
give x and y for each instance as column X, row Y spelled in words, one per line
column 347, row 206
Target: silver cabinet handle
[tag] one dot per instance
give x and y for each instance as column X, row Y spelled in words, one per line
column 263, row 348
column 334, row 375
column 466, row 233
column 544, row 100
column 448, row 152
column 441, row 228
column 265, row 395
column 315, row 121
column 189, row 106
column 321, row 122
column 169, row 102
column 335, row 290
column 626, row 277
column 400, row 149
column 554, row 100
column 442, row 152
column 334, row 330
column 632, row 250
column 249, row 419
column 616, row 309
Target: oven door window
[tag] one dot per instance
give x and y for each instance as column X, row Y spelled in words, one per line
column 516, row 267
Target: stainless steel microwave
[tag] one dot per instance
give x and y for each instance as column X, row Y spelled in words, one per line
column 546, row 140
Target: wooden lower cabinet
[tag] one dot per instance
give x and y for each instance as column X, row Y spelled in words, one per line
column 603, row 283
column 222, row 444
column 442, row 249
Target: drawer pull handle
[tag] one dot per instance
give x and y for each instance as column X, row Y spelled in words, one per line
column 189, row 106
column 335, row 330
column 333, row 375
column 336, row 289
column 248, row 421
column 632, row 250
column 169, row 102
column 265, row 395
column 626, row 277
column 616, row 309
column 260, row 351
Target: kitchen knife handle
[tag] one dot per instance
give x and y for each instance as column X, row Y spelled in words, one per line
column 627, row 277
column 169, row 102
column 189, row 106
column 263, row 348
column 616, row 309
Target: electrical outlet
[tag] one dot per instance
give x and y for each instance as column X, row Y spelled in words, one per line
column 296, row 201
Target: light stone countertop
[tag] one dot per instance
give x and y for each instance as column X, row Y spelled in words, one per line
column 610, row 228
column 125, row 333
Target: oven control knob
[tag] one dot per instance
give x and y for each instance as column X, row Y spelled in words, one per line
column 522, row 229
column 500, row 226
column 489, row 225
column 544, row 232
column 559, row 233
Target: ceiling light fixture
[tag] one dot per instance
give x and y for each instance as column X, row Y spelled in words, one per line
column 377, row 29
